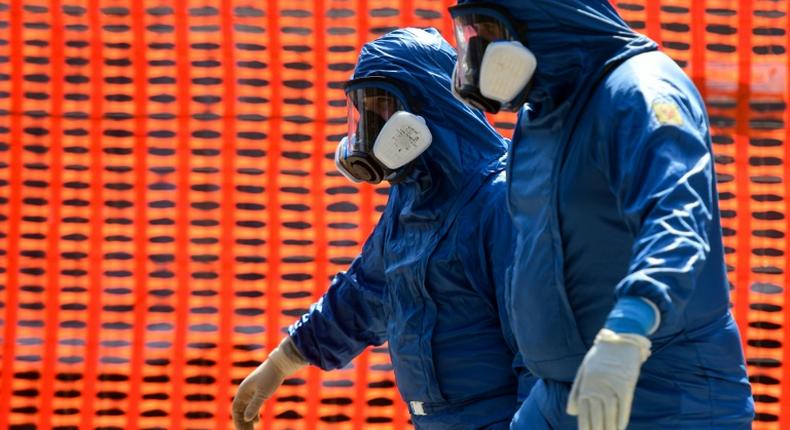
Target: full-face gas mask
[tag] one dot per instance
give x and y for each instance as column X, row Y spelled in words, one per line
column 493, row 69
column 383, row 135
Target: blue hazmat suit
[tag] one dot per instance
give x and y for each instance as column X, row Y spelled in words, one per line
column 612, row 192
column 430, row 278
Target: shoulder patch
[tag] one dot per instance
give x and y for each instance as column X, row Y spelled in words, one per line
column 667, row 112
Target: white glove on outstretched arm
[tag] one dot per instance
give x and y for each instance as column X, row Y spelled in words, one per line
column 604, row 387
column 261, row 383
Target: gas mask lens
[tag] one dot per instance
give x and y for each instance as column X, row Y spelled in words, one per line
column 369, row 108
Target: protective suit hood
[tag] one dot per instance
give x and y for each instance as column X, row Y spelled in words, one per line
column 465, row 147
column 575, row 41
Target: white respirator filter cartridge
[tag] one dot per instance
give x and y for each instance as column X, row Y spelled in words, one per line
column 402, row 139
column 506, row 69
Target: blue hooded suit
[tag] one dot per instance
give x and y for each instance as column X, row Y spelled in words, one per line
column 612, row 192
column 430, row 278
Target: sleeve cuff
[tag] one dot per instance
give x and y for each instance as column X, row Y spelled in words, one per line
column 634, row 315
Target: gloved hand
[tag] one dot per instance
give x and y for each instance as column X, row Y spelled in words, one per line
column 261, row 383
column 604, row 387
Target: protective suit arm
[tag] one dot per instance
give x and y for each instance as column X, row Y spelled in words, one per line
column 663, row 178
column 350, row 316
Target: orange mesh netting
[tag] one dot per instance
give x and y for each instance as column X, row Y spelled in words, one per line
column 169, row 204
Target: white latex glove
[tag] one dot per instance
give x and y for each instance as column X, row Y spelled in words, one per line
column 604, row 387
column 261, row 383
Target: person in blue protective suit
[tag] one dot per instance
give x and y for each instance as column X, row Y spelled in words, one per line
column 430, row 279
column 619, row 295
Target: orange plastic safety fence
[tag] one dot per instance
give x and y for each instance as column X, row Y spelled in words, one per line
column 169, row 204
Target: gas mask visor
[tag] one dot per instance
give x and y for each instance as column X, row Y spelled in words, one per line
column 383, row 136
column 494, row 68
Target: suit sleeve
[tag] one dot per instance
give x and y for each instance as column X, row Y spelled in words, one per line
column 350, row 316
column 661, row 170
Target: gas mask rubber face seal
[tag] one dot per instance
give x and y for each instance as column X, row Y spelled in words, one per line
column 494, row 68
column 383, row 135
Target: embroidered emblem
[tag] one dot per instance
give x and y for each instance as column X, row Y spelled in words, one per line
column 667, row 112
